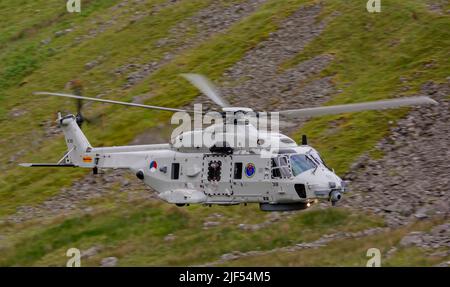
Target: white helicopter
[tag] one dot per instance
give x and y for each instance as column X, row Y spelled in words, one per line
column 280, row 176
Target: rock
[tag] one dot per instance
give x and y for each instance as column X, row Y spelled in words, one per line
column 356, row 165
column 63, row 32
column 169, row 237
column 215, row 215
column 310, row 245
column 46, row 41
column 391, row 208
column 436, row 7
column 391, row 251
column 250, row 227
column 94, row 63
column 162, row 42
column 371, row 231
column 417, row 145
column 413, row 238
column 420, row 215
column 274, row 216
column 242, row 226
column 90, row 65
column 89, row 209
column 91, row 251
column 59, row 33
column 443, row 229
column 16, row 112
column 109, row 262
column 208, row 224
column 231, row 256
column 440, row 254
column 125, row 182
column 443, row 264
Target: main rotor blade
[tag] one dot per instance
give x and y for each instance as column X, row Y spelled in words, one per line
column 207, row 88
column 110, row 102
column 376, row 105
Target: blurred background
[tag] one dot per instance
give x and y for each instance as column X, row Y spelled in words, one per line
column 265, row 54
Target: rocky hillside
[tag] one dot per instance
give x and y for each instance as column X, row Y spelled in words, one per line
column 266, row 54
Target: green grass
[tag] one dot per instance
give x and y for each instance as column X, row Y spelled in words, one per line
column 153, row 222
column 136, row 235
column 351, row 252
column 21, row 51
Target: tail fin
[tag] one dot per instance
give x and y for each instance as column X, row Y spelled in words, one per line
column 78, row 153
column 76, row 141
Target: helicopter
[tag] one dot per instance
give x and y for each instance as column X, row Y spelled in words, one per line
column 273, row 171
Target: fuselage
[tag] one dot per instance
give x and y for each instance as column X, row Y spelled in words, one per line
column 274, row 172
column 289, row 175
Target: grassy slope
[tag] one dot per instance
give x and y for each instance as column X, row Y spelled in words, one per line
column 211, row 57
column 135, row 235
column 351, row 252
column 24, row 25
column 232, row 45
column 56, row 72
column 372, row 52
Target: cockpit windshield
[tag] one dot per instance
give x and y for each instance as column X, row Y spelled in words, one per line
column 301, row 163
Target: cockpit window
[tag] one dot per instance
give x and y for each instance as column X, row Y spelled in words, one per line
column 280, row 167
column 315, row 155
column 316, row 159
column 283, row 161
column 301, row 163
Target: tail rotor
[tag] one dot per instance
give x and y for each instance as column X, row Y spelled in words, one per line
column 77, row 88
column 79, row 117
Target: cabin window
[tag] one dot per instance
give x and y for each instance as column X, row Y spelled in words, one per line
column 238, row 170
column 175, row 170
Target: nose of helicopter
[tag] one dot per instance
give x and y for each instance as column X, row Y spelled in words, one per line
column 322, row 183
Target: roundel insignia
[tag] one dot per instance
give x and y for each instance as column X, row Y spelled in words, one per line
column 153, row 166
column 249, row 169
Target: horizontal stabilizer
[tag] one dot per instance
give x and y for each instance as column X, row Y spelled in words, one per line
column 46, row 165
